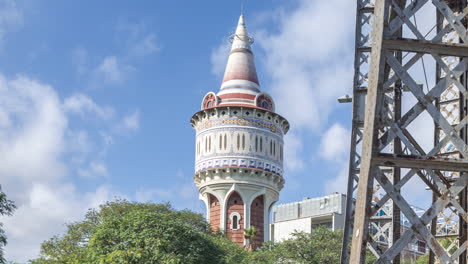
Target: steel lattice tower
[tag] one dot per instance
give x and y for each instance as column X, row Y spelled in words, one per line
column 384, row 143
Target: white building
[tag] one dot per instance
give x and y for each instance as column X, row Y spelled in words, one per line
column 329, row 211
column 303, row 216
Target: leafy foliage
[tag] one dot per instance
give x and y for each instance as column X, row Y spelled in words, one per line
column 423, row 259
column 6, row 208
column 126, row 232
column 249, row 234
column 321, row 246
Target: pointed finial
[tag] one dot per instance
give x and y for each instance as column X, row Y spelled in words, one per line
column 242, row 7
column 241, row 67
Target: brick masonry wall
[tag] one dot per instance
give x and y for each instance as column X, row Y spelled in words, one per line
column 235, row 204
column 257, row 220
column 215, row 213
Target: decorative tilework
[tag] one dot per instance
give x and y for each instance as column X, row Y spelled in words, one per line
column 243, row 163
column 240, row 122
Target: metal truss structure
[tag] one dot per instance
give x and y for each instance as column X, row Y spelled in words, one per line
column 388, row 142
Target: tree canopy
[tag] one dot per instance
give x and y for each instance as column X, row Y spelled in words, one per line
column 126, row 232
column 6, row 208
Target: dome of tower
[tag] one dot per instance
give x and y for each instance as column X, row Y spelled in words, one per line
column 240, row 85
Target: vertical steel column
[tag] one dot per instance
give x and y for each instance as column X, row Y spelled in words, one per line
column 364, row 15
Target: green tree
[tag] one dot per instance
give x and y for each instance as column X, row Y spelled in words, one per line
column 424, row 259
column 6, row 208
column 249, row 234
column 321, row 246
column 126, row 232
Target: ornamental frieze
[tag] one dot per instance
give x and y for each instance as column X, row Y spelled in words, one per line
column 239, row 122
column 243, row 163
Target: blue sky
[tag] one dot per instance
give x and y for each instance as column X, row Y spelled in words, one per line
column 96, row 97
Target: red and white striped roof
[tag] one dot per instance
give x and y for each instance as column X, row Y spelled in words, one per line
column 240, row 86
column 240, row 83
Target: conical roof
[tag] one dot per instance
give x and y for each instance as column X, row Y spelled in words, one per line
column 240, row 83
column 240, row 64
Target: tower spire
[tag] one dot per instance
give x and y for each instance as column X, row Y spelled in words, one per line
column 240, row 69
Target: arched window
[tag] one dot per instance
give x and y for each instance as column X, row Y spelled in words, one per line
column 261, row 144
column 220, row 141
column 225, row 141
column 243, row 141
column 281, row 152
column 235, row 220
column 238, row 141
column 209, row 101
column 271, row 147
column 209, row 144
column 274, row 148
column 256, row 143
column 206, row 145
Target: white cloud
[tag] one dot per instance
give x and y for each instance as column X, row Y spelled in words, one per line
column 11, row 17
column 219, row 56
column 95, row 169
column 145, row 46
column 36, row 140
column 82, row 104
column 292, row 152
column 138, row 40
column 334, row 147
column 113, row 71
column 44, row 214
column 340, row 182
column 334, row 144
column 131, row 122
column 309, row 59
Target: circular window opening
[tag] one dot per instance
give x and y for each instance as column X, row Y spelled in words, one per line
column 223, row 113
column 259, row 115
column 235, row 170
column 235, row 112
column 247, row 113
column 235, row 201
column 277, row 122
column 212, row 114
column 269, row 118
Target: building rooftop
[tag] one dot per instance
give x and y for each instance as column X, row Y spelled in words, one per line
column 310, row 207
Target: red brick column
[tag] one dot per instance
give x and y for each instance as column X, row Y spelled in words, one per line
column 235, row 204
column 257, row 219
column 215, row 213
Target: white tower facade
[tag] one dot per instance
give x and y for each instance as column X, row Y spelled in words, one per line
column 239, row 148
